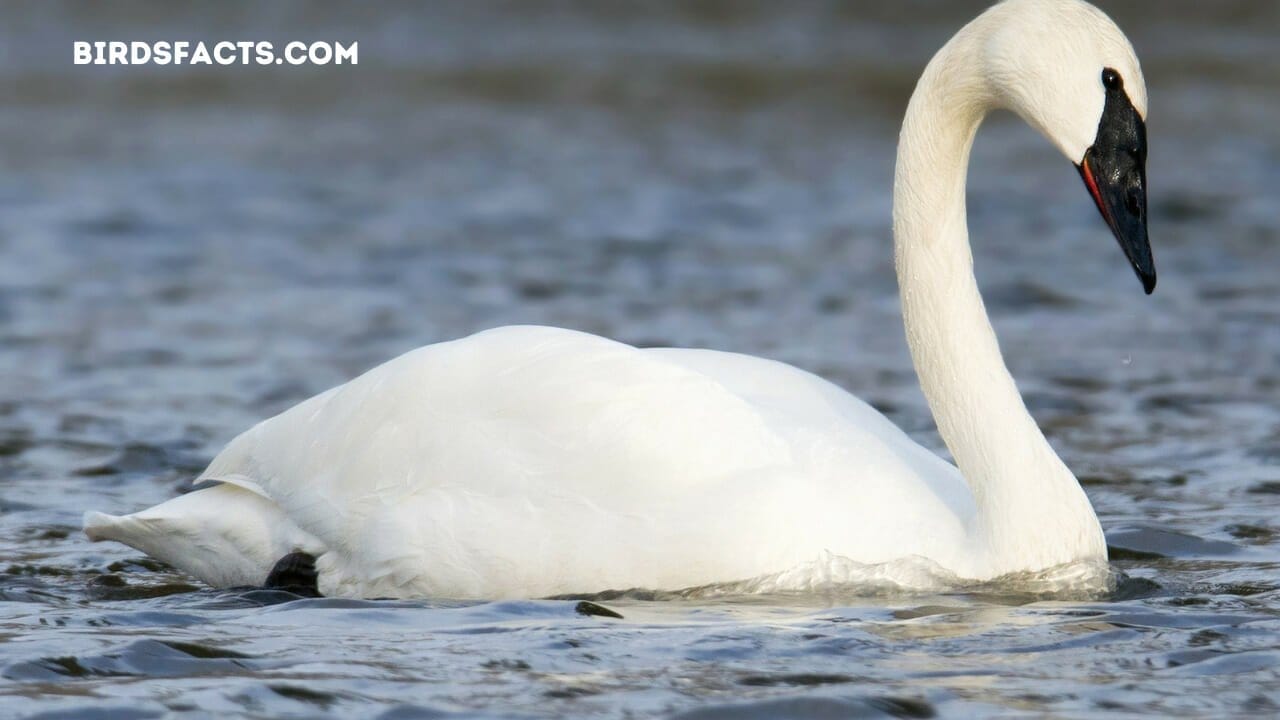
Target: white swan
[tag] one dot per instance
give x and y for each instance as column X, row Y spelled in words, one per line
column 531, row 461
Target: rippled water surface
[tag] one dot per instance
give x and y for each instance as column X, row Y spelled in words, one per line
column 185, row 251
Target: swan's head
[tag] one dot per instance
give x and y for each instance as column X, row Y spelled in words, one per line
column 1067, row 69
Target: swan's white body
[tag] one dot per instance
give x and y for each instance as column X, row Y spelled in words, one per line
column 529, row 461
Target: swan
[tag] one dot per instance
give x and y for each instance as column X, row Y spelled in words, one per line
column 535, row 461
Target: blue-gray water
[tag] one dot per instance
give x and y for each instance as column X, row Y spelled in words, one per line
column 185, row 251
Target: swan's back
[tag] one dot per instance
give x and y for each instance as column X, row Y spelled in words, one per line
column 531, row 461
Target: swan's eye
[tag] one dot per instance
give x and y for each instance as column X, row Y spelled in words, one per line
column 1111, row 79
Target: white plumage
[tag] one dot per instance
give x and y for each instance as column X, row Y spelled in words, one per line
column 531, row 461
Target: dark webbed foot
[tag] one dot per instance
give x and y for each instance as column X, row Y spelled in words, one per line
column 295, row 573
column 588, row 608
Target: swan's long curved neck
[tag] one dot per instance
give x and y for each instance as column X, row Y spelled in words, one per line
column 1031, row 512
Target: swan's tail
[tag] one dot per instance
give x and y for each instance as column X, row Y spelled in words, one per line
column 101, row 526
column 224, row 535
column 158, row 531
column 147, row 531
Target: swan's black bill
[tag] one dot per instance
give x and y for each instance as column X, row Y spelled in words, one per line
column 1115, row 171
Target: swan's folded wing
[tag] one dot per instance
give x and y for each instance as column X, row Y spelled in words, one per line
column 522, row 426
column 531, row 460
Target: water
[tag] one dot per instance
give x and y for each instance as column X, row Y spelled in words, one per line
column 183, row 252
